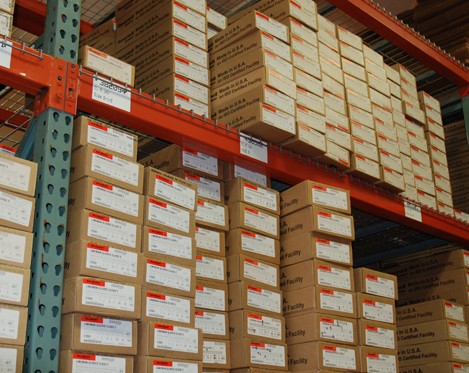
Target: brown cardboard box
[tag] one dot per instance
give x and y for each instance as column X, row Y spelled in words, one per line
column 169, row 341
column 430, row 311
column 214, row 325
column 216, row 19
column 428, row 353
column 312, row 356
column 15, row 288
column 317, row 219
column 6, row 23
column 211, row 268
column 377, row 359
column 262, row 327
column 312, row 327
column 17, row 211
column 252, row 172
column 69, row 361
column 206, row 188
column 13, row 356
column 258, row 246
column 315, row 272
column 307, row 141
column 209, row 241
column 8, row 6
column 149, row 364
column 163, row 245
column 320, row 299
column 377, row 334
column 375, row 308
column 211, row 296
column 18, row 175
column 84, row 258
column 103, row 230
column 102, row 37
column 168, row 276
column 309, row 193
column 168, row 217
column 167, row 308
column 432, row 331
column 436, row 367
column 167, row 187
column 244, row 216
column 91, row 194
column 243, row 295
column 377, row 283
column 301, row 30
column 15, row 247
column 250, row 353
column 251, row 370
column 211, row 214
column 14, row 331
column 364, row 167
column 311, row 245
column 93, row 161
column 100, row 297
column 245, row 268
column 217, row 354
column 98, row 334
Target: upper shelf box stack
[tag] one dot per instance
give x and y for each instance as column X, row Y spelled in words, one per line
column 166, row 40
column 7, row 9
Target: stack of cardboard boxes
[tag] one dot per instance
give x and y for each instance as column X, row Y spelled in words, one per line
column 17, row 190
column 7, row 9
column 257, row 327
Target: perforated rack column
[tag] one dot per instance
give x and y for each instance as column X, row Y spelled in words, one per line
column 50, row 138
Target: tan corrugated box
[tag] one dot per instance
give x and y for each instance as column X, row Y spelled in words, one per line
column 243, row 241
column 16, row 247
column 257, row 325
column 167, row 308
column 71, row 360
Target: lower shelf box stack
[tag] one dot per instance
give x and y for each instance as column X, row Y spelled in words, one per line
column 17, row 190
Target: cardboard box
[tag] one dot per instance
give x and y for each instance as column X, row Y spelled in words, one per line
column 310, row 118
column 167, row 308
column 215, row 19
column 246, row 170
column 434, row 140
column 436, row 367
column 428, row 353
column 375, row 308
column 248, row 370
column 301, row 30
column 316, row 272
column 255, row 245
column 243, row 295
column 331, row 69
column 378, row 360
column 356, row 85
column 211, row 296
column 262, row 327
column 206, row 188
column 250, row 353
column 336, row 156
column 312, row 356
column 214, row 325
column 365, row 149
column 349, row 38
column 363, row 132
column 12, row 356
column 211, row 268
column 98, row 334
column 17, row 211
column 309, row 100
column 209, row 241
column 14, row 327
column 377, row 334
column 353, row 69
column 211, row 214
column 18, row 175
column 8, row 6
column 307, row 48
column 216, row 354
column 392, row 180
column 6, row 24
column 360, row 116
column 376, row 283
column 358, row 99
column 440, row 169
column 15, row 247
column 365, row 168
column 168, row 217
column 100, row 297
column 15, row 289
column 244, row 268
column 390, row 161
column 244, row 216
column 339, row 136
column 69, row 361
column 126, row 6
column 320, row 299
column 394, row 90
column 312, row 327
column 351, row 53
column 432, row 331
column 307, row 141
column 444, row 209
column 434, row 127
column 317, row 219
column 315, row 246
column 169, row 341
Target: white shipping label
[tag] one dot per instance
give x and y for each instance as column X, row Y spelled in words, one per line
column 169, row 275
column 102, row 331
column 331, row 197
column 458, row 331
column 278, row 119
column 176, row 338
column 87, row 363
column 261, row 272
column 335, row 277
column 214, row 352
column 167, row 307
column 174, row 192
column 111, row 229
column 264, row 326
column 111, row 94
column 381, row 363
column 111, row 260
column 267, row 354
column 210, row 268
column 460, row 351
column 15, row 209
column 210, row 298
column 191, row 53
column 263, row 299
column 12, row 247
column 8, row 356
column 14, row 174
column 162, row 242
column 253, row 176
column 206, row 188
column 115, row 198
column 259, row 220
column 114, row 167
column 379, row 337
column 453, row 311
column 163, row 366
column 379, row 286
column 191, row 70
column 199, row 161
column 9, row 323
column 185, row 32
column 333, row 223
column 110, row 138
column 272, row 27
column 260, row 197
column 338, row 357
column 207, row 239
column 331, row 250
column 252, row 148
column 211, row 322
column 168, row 215
column 258, row 244
column 211, row 213
column 378, row 311
column 336, row 301
column 107, row 294
column 335, row 329
column 11, row 286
